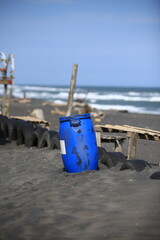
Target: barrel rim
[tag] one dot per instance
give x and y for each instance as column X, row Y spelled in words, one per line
column 80, row 116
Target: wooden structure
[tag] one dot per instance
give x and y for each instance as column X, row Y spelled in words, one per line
column 34, row 121
column 6, row 80
column 133, row 134
column 117, row 140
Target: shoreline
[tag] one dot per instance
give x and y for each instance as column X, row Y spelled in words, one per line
column 132, row 99
column 64, row 105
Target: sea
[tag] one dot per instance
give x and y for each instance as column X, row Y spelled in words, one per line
column 131, row 99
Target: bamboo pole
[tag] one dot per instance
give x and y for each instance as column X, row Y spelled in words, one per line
column 72, row 87
column 5, row 103
column 11, row 59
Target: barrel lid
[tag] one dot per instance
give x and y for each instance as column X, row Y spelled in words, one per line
column 80, row 116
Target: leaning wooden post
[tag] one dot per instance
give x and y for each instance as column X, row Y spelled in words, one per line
column 72, row 87
column 132, row 145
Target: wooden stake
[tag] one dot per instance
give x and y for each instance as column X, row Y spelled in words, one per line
column 72, row 87
column 132, row 147
column 98, row 138
column 5, row 105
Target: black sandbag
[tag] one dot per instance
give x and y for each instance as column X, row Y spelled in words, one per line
column 155, row 175
column 22, row 129
column 54, row 138
column 136, row 164
column 110, row 159
column 45, row 140
column 103, row 158
column 35, row 141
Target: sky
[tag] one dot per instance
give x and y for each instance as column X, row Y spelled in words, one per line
column 114, row 42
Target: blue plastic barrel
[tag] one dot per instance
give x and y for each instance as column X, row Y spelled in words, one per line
column 78, row 143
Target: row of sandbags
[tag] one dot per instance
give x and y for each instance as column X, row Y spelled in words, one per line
column 34, row 136
column 112, row 159
column 26, row 133
column 118, row 160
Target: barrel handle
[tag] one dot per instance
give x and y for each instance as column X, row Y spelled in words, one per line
column 75, row 122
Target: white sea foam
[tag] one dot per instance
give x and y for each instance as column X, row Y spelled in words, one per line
column 60, row 101
column 147, row 94
column 118, row 107
column 95, row 96
column 118, row 96
column 134, row 93
column 128, row 108
column 91, row 97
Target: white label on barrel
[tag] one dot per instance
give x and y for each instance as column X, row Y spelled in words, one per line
column 63, row 147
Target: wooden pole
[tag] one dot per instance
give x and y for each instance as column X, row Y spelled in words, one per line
column 72, row 87
column 5, row 103
column 132, row 145
column 11, row 59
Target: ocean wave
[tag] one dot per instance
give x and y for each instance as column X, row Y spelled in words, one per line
column 128, row 108
column 82, row 93
column 143, row 94
column 60, row 102
column 106, row 97
column 117, row 107
column 47, row 95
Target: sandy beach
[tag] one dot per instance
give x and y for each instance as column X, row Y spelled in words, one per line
column 38, row 200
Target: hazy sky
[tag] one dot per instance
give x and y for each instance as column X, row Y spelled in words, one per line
column 114, row 42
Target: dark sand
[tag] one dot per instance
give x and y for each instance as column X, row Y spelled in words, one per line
column 38, row 200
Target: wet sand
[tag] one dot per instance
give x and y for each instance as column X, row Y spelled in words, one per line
column 38, row 200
